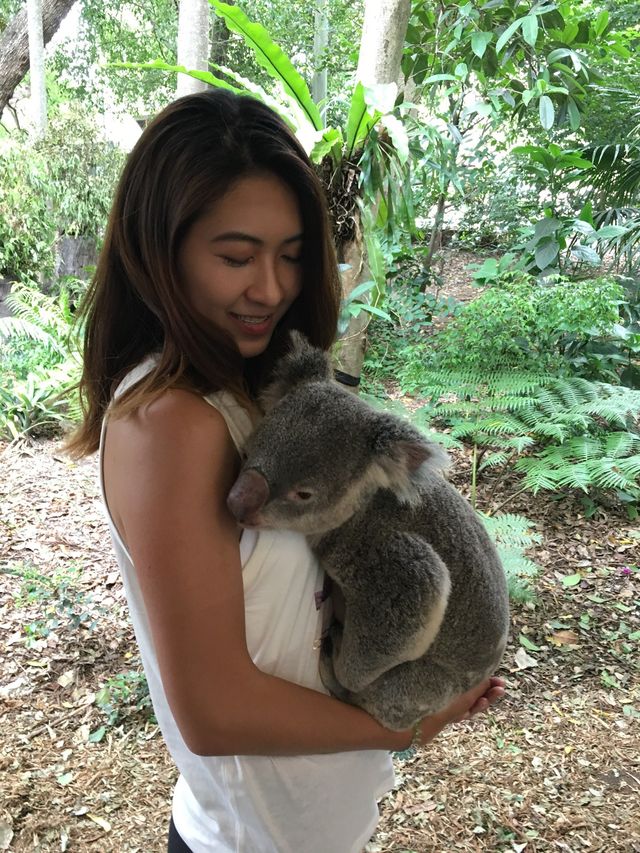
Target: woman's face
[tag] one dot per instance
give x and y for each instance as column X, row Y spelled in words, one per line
column 240, row 262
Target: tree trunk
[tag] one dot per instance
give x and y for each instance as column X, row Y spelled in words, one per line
column 193, row 44
column 14, row 44
column 36, row 66
column 436, row 232
column 320, row 43
column 383, row 34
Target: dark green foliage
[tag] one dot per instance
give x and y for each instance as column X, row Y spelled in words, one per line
column 522, row 324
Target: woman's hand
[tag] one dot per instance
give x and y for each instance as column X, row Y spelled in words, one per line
column 463, row 707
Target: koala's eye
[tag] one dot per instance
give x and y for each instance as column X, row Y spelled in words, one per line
column 300, row 495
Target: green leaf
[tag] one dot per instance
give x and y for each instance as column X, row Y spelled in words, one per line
column 547, row 112
column 270, row 56
column 586, row 214
column 461, row 70
column 527, row 644
column 398, row 135
column 377, row 311
column 530, row 29
column 546, row 227
column 574, row 113
column 360, row 289
column 586, row 254
column 331, row 139
column 571, row 580
column 609, row 231
column 438, row 78
column 546, row 253
column 479, row 42
column 97, row 736
column 558, row 53
column 359, row 121
column 506, row 35
column 602, row 22
column 159, row 65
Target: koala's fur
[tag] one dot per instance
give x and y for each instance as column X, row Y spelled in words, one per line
column 426, row 611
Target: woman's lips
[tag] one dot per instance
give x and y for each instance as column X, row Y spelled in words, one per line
column 252, row 325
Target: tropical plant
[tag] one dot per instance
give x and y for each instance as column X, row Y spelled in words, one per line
column 38, row 394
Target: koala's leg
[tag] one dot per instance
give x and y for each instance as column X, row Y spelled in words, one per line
column 395, row 613
column 410, row 692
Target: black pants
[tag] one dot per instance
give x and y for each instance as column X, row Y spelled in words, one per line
column 176, row 844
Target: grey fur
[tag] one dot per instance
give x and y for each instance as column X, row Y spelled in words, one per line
column 426, row 611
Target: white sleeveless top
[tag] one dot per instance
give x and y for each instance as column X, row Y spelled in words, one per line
column 263, row 804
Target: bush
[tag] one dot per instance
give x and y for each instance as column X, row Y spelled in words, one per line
column 61, row 185
column 521, row 324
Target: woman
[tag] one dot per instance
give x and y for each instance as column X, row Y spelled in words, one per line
column 218, row 243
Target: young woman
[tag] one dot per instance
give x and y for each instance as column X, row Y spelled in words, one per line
column 218, row 243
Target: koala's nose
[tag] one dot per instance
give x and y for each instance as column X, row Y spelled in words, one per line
column 248, row 495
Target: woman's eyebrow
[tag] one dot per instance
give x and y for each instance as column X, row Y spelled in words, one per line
column 241, row 237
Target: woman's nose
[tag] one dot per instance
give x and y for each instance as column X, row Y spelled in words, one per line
column 266, row 287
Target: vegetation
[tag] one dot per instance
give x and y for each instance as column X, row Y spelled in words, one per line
column 495, row 191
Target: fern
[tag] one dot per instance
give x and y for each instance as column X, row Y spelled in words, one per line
column 576, row 434
column 512, row 535
column 41, row 399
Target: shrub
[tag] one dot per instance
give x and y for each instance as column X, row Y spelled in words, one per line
column 519, row 323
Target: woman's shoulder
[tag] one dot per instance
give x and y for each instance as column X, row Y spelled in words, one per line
column 177, row 422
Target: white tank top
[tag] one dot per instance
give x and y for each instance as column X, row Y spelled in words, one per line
column 263, row 804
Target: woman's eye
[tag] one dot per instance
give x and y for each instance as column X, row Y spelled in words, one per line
column 291, row 260
column 235, row 262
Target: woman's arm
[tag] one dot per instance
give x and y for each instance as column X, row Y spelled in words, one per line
column 167, row 470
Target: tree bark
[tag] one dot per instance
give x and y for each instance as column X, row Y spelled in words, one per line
column 193, row 44
column 36, row 65
column 383, row 32
column 14, row 44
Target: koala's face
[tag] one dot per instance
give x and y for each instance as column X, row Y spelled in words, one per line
column 307, row 464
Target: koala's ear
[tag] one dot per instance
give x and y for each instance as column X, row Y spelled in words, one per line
column 400, row 451
column 303, row 363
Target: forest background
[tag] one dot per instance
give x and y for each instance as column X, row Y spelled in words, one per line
column 482, row 165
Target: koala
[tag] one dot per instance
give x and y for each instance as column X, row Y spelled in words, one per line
column 426, row 609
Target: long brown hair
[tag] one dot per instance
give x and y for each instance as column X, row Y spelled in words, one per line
column 185, row 160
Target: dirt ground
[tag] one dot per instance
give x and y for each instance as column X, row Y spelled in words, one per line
column 554, row 767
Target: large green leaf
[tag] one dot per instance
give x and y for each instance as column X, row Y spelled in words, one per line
column 359, row 121
column 330, row 143
column 270, row 56
column 160, row 65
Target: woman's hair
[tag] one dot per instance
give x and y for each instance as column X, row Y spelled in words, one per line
column 187, row 159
